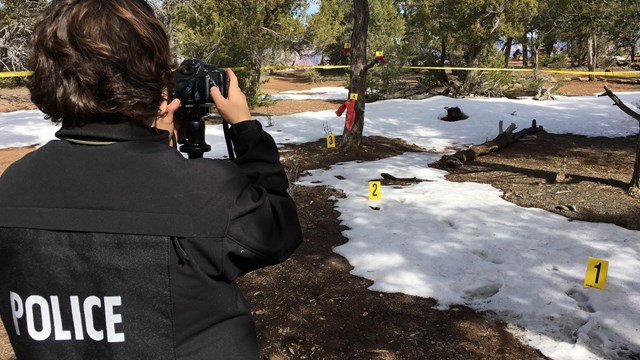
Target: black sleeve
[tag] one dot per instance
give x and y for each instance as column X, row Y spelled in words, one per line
column 263, row 228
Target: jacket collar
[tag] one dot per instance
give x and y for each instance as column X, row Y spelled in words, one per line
column 100, row 133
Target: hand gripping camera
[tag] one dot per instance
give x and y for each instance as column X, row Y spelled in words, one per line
column 193, row 81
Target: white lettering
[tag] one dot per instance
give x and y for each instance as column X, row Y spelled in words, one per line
column 58, row 330
column 16, row 309
column 111, row 319
column 36, row 311
column 45, row 317
column 89, row 303
column 77, row 317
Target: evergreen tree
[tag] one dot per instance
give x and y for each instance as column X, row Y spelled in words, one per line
column 236, row 33
column 428, row 36
column 331, row 27
column 626, row 24
column 386, row 28
column 589, row 28
column 477, row 25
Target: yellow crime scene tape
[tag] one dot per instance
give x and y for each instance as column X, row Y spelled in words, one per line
column 289, row 67
column 450, row 68
column 15, row 74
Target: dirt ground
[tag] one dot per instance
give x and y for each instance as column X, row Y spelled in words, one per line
column 311, row 307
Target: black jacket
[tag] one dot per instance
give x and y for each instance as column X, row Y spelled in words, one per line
column 127, row 250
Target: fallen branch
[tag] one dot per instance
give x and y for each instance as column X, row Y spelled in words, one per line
column 624, row 81
column 503, row 140
column 634, row 184
column 620, row 104
column 392, row 178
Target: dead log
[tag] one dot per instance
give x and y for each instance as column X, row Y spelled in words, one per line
column 511, row 127
column 625, row 81
column 414, row 94
column 403, row 181
column 544, row 94
column 473, row 152
column 634, row 184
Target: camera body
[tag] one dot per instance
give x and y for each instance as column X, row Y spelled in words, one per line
column 192, row 82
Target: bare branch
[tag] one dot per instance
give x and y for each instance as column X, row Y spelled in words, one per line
column 620, row 104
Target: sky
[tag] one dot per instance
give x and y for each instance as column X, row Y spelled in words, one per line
column 313, row 7
column 461, row 243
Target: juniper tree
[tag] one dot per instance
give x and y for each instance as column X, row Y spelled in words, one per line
column 231, row 33
column 16, row 21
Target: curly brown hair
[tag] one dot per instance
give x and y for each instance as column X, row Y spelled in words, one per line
column 95, row 60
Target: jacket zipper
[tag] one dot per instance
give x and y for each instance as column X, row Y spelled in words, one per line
column 182, row 254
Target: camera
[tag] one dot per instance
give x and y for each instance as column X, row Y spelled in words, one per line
column 192, row 82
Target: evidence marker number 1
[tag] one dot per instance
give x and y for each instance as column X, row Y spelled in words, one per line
column 596, row 275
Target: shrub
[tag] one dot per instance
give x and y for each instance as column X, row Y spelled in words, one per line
column 383, row 79
column 312, row 75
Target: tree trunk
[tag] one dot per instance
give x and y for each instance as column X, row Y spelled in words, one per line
column 592, row 45
column 358, row 83
column 525, row 51
column 535, row 48
column 507, row 51
column 255, row 68
column 548, row 47
column 472, row 81
column 443, row 60
column 634, row 184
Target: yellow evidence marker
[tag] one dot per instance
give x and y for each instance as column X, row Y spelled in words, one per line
column 596, row 276
column 331, row 141
column 374, row 190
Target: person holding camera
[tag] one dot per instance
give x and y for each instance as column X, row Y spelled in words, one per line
column 112, row 244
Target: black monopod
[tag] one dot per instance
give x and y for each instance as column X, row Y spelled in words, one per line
column 192, row 134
